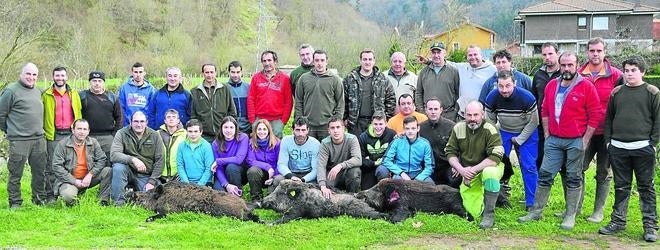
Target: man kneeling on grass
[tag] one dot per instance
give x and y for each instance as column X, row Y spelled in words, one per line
column 79, row 164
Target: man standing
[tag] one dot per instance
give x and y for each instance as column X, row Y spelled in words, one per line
column 473, row 75
column 409, row 157
column 604, row 77
column 305, row 52
column 170, row 96
column 548, row 71
column 137, row 158
column 102, row 111
column 239, row 91
column 406, row 108
column 570, row 115
column 298, row 158
column 269, row 96
column 437, row 130
column 367, row 91
column 340, row 153
column 439, row 80
column 632, row 129
column 61, row 108
column 319, row 96
column 211, row 102
column 402, row 80
column 503, row 59
column 514, row 109
column 374, row 141
column 79, row 164
column 22, row 119
column 474, row 152
column 135, row 93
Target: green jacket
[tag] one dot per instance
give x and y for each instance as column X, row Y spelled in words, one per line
column 473, row 146
column 149, row 149
column 49, row 110
column 210, row 110
column 65, row 159
column 171, row 143
column 319, row 97
column 21, row 112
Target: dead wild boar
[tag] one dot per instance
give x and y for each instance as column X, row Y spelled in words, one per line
column 303, row 200
column 401, row 199
column 175, row 196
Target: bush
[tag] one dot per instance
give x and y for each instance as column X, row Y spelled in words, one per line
column 457, row 56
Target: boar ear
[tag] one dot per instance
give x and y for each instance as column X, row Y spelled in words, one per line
column 158, row 190
column 293, row 193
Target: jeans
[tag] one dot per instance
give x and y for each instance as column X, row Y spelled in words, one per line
column 556, row 151
column 347, row 179
column 122, row 176
column 236, row 175
column 33, row 151
column 318, row 132
column 597, row 146
column 641, row 162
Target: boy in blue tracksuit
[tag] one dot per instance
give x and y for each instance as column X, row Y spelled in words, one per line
column 409, row 157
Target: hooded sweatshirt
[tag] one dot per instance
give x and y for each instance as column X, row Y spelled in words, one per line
column 472, row 79
column 133, row 98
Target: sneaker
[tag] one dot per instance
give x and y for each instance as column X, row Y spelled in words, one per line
column 650, row 235
column 611, row 229
column 104, row 203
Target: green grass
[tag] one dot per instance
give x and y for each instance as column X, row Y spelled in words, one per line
column 91, row 226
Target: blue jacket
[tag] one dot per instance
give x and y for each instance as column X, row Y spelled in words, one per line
column 239, row 91
column 414, row 158
column 194, row 162
column 163, row 100
column 133, row 98
column 521, row 79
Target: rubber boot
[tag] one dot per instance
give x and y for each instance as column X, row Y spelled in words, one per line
column 579, row 204
column 572, row 199
column 602, row 190
column 488, row 216
column 563, row 185
column 540, row 200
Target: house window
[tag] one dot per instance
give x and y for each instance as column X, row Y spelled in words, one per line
column 456, row 46
column 537, row 49
column 600, row 23
column 582, row 22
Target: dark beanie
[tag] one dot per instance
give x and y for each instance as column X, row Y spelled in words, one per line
column 96, row 74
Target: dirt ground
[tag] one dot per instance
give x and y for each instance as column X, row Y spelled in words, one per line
column 501, row 241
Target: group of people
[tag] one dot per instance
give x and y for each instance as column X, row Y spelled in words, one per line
column 453, row 124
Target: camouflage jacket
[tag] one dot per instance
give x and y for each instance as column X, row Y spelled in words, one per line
column 383, row 98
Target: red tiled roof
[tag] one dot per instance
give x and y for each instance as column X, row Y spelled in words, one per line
column 571, row 6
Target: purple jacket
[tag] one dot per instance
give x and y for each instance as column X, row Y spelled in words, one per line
column 263, row 157
column 235, row 152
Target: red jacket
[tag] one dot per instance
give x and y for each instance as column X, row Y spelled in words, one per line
column 604, row 82
column 269, row 99
column 581, row 108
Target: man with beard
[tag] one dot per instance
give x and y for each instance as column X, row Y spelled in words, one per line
column 604, row 77
column 514, row 110
column 474, row 152
column 305, row 53
column 298, row 158
column 339, row 160
column 373, row 144
column 437, row 130
column 61, row 107
column 570, row 114
column 473, row 75
column 548, row 71
column 269, row 96
column 366, row 91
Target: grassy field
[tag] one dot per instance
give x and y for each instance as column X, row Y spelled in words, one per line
column 92, row 226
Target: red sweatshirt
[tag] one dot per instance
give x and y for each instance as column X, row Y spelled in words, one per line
column 605, row 81
column 269, row 99
column 581, row 108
